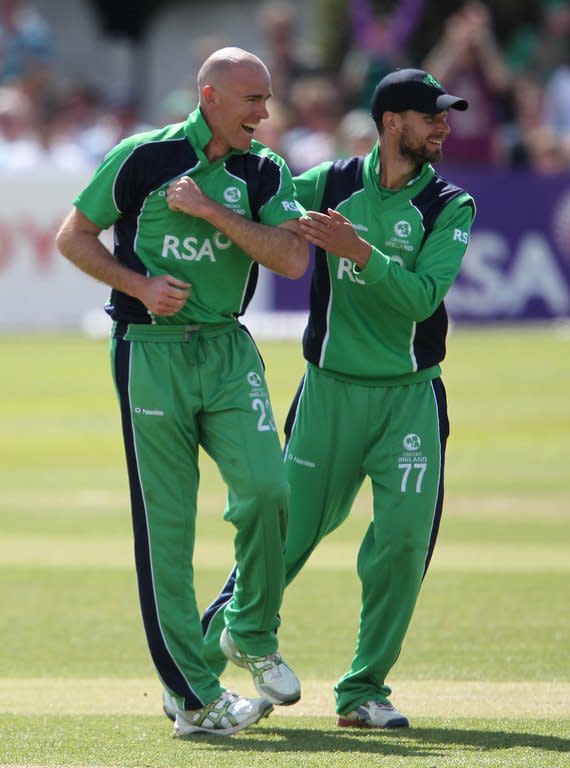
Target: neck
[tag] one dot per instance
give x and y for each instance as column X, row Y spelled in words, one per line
column 396, row 171
column 214, row 150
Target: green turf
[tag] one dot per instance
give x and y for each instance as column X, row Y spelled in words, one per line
column 494, row 607
column 286, row 742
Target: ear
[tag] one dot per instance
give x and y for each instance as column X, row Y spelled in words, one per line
column 390, row 121
column 209, row 94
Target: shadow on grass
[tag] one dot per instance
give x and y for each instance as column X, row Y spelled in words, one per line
column 401, row 742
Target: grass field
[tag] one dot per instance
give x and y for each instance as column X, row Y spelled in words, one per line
column 485, row 671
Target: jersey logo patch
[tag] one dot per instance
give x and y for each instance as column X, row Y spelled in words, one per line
column 232, row 195
column 403, row 228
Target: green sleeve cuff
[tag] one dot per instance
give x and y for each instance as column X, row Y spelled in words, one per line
column 374, row 269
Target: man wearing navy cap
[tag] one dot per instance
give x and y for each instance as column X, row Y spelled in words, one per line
column 390, row 234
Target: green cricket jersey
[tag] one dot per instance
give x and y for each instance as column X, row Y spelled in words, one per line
column 386, row 323
column 128, row 191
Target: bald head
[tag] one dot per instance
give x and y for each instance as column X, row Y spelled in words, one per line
column 215, row 70
column 234, row 87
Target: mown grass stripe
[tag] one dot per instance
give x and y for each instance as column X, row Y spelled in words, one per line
column 117, row 552
column 418, row 698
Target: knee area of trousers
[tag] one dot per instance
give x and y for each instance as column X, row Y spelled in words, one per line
column 266, row 499
column 272, row 496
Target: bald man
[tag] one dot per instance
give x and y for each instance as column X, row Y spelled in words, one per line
column 196, row 207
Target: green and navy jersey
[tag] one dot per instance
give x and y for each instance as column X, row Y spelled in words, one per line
column 386, row 323
column 128, row 191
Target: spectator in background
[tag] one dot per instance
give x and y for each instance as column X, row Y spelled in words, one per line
column 316, row 116
column 356, row 134
column 36, row 138
column 176, row 105
column 557, row 108
column 19, row 143
column 532, row 143
column 468, row 59
column 25, row 41
column 289, row 58
column 552, row 47
column 546, row 153
column 179, row 102
column 83, row 110
column 379, row 45
column 557, row 94
column 539, row 56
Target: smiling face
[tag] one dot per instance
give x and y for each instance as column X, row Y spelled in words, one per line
column 422, row 136
column 234, row 105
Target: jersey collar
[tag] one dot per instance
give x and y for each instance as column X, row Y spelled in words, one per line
column 372, row 177
column 197, row 129
column 199, row 134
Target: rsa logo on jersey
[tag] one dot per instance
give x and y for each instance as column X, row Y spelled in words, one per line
column 192, row 249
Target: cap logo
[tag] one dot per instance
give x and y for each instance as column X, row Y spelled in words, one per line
column 431, row 80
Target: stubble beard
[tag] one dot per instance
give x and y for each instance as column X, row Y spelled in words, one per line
column 418, row 155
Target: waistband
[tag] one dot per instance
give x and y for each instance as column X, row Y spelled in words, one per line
column 401, row 380
column 170, row 333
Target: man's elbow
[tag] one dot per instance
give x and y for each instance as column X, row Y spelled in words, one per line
column 62, row 240
column 297, row 265
column 65, row 235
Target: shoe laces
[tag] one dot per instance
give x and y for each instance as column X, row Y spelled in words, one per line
column 217, row 711
column 258, row 665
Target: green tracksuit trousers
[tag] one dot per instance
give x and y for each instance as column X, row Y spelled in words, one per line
column 180, row 388
column 340, row 432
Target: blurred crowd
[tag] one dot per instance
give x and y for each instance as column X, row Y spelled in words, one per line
column 513, row 69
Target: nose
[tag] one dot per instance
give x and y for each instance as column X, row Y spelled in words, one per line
column 261, row 111
column 443, row 126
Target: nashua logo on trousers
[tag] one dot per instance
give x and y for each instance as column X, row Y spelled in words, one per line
column 149, row 411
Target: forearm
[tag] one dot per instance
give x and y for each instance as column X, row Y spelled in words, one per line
column 84, row 249
column 278, row 248
column 492, row 63
column 415, row 296
column 444, row 58
column 78, row 240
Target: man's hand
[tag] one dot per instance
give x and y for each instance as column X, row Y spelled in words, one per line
column 186, row 196
column 335, row 234
column 163, row 295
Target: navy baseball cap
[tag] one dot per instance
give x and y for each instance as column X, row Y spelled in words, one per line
column 412, row 89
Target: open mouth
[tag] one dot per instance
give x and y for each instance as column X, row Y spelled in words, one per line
column 249, row 128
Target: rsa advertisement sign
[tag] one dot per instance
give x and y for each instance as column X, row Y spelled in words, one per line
column 518, row 261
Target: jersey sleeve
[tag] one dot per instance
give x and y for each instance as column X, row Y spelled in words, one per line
column 106, row 196
column 310, row 186
column 281, row 203
column 416, row 295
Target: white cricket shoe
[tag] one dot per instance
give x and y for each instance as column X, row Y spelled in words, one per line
column 169, row 705
column 225, row 715
column 374, row 714
column 272, row 677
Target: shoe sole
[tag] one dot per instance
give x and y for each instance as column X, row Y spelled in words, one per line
column 193, row 730
column 169, row 715
column 344, row 722
column 227, row 651
column 275, row 700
